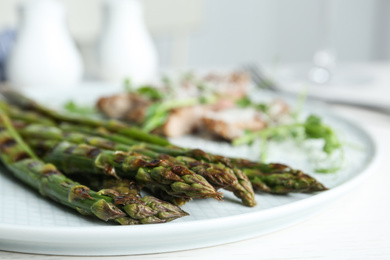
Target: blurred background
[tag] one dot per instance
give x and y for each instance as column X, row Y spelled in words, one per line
column 196, row 33
column 288, row 38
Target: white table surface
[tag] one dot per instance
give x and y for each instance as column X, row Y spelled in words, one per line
column 357, row 226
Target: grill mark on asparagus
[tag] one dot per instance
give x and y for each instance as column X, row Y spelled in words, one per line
column 33, row 164
column 79, row 192
column 92, row 153
column 68, row 150
column 164, row 156
column 198, row 153
column 181, row 171
column 153, row 163
column 142, row 163
column 7, row 143
column 125, row 200
column 120, row 157
column 196, row 163
column 20, row 156
column 49, row 172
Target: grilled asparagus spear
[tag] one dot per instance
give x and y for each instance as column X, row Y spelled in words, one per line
column 262, row 181
column 230, row 179
column 212, row 173
column 81, row 158
column 126, row 193
column 50, row 182
column 113, row 125
column 242, row 188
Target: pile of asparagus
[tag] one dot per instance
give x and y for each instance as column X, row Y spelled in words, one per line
column 65, row 156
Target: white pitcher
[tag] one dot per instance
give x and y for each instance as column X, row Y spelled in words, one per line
column 44, row 54
column 125, row 49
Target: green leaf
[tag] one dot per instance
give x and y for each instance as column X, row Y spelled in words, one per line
column 128, row 85
column 158, row 113
column 328, row 170
column 157, row 120
column 262, row 107
column 72, row 107
column 152, row 109
column 150, row 92
column 316, row 130
column 332, row 143
column 335, row 166
column 244, row 102
column 247, row 138
column 313, row 120
column 155, row 116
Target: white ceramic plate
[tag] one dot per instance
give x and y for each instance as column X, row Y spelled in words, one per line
column 30, row 223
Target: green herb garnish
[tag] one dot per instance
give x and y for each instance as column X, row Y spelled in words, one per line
column 150, row 92
column 311, row 128
column 158, row 113
column 72, row 107
column 246, row 102
column 128, row 85
column 314, row 129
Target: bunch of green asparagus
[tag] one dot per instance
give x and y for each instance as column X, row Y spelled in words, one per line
column 64, row 156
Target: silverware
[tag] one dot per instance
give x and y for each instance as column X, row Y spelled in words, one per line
column 262, row 81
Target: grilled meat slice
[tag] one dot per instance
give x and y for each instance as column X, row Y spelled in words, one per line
column 229, row 124
column 127, row 106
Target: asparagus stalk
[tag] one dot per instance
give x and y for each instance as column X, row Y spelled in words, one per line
column 219, row 173
column 26, row 116
column 272, row 177
column 148, row 209
column 264, row 182
column 231, row 179
column 174, row 179
column 162, row 194
column 50, row 182
column 113, row 125
column 278, row 178
column 241, row 188
column 263, row 177
column 213, row 174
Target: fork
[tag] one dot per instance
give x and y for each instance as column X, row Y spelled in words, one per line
column 262, row 81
